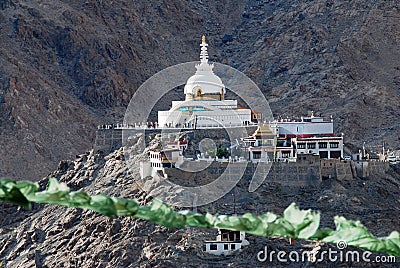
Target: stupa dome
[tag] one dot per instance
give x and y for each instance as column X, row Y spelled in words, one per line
column 204, row 82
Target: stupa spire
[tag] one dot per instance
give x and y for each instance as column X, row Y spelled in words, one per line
column 203, row 52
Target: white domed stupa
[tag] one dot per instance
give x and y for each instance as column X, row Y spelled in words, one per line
column 204, row 83
column 204, row 105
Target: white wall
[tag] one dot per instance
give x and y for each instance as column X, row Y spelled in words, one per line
column 206, row 118
column 220, row 247
column 145, row 169
column 317, row 149
column 304, row 128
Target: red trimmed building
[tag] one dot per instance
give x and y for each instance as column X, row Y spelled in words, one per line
column 307, row 135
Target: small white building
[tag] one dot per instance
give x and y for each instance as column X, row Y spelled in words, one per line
column 226, row 242
column 181, row 145
column 165, row 158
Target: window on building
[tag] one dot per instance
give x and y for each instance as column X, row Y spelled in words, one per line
column 334, row 145
column 257, row 116
column 267, row 142
column 323, row 145
column 335, row 154
column 311, row 145
column 301, row 146
column 226, row 246
column 323, row 154
column 224, row 237
column 233, row 246
column 213, row 247
column 256, row 155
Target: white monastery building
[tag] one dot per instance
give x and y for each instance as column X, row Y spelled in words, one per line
column 308, row 135
column 285, row 140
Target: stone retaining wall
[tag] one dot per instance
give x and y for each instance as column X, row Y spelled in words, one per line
column 366, row 169
column 306, row 171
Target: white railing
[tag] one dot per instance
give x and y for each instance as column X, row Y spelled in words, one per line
column 151, row 125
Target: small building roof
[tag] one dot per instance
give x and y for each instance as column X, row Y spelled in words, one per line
column 263, row 132
column 165, row 150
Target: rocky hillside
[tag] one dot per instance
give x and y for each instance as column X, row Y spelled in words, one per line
column 54, row 236
column 67, row 66
column 339, row 58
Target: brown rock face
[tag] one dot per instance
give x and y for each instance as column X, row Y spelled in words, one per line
column 55, row 236
column 67, row 66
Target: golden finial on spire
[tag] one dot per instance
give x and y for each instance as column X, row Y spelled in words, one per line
column 203, row 39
